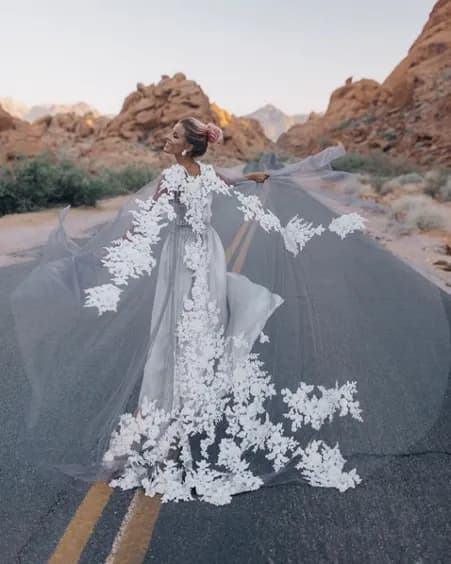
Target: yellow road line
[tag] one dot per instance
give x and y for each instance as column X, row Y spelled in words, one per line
column 82, row 524
column 132, row 541
column 236, row 241
column 244, row 249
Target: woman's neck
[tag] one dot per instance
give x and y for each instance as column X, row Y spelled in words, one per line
column 189, row 164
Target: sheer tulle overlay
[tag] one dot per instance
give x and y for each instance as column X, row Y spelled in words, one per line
column 193, row 358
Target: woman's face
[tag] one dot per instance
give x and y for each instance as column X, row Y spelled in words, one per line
column 175, row 140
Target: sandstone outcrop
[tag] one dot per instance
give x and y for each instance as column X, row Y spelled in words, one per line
column 148, row 114
column 408, row 115
column 135, row 135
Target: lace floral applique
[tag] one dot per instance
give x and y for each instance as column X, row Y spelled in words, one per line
column 297, row 232
column 213, row 385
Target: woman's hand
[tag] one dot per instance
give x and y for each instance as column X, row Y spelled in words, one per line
column 257, row 176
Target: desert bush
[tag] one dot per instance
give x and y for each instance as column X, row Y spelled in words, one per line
column 419, row 211
column 388, row 186
column 351, row 122
column 411, row 182
column 378, row 164
column 33, row 183
column 445, row 190
column 426, row 219
column 358, row 185
column 369, row 118
column 356, row 188
column 366, row 180
column 125, row 180
column 390, row 135
column 27, row 184
column 408, row 202
column 377, row 182
column 410, row 178
column 434, row 180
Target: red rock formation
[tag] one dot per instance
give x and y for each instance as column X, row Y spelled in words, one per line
column 148, row 114
column 408, row 115
column 7, row 121
column 17, row 137
column 136, row 134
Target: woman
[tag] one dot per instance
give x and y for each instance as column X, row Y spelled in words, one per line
column 188, row 139
column 230, row 291
column 162, row 383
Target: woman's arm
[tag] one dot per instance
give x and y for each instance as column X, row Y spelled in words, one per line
column 257, row 176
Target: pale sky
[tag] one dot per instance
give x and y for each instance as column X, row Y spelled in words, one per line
column 243, row 53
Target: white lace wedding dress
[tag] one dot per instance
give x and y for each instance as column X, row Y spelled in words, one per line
column 178, row 390
column 200, row 370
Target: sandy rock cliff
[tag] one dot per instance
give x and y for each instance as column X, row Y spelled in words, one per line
column 408, row 115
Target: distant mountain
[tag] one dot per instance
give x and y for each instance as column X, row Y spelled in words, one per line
column 14, row 107
column 79, row 108
column 30, row 113
column 274, row 121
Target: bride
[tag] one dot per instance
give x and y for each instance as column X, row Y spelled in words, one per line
column 205, row 322
column 159, row 382
column 189, row 139
column 164, row 367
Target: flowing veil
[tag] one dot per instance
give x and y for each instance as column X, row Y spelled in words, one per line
column 358, row 352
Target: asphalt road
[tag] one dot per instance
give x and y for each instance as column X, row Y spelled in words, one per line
column 400, row 513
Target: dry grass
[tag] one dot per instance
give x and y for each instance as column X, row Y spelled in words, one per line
column 445, row 190
column 435, row 180
column 421, row 212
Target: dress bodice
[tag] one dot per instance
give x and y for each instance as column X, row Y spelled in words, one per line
column 190, row 191
column 180, row 211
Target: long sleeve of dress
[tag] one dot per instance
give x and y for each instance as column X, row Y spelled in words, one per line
column 158, row 192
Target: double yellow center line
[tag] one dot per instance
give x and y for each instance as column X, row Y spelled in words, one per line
column 132, row 541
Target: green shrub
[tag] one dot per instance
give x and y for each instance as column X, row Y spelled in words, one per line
column 378, row 182
column 125, row 180
column 388, row 186
column 410, row 178
column 351, row 122
column 377, row 163
column 412, row 182
column 390, row 135
column 33, row 183
column 435, row 179
column 368, row 119
column 419, row 211
column 445, row 190
column 426, row 219
column 407, row 203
